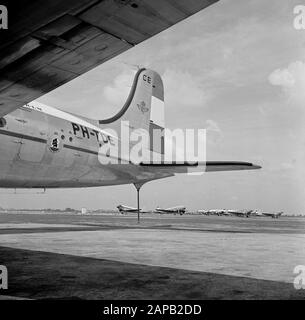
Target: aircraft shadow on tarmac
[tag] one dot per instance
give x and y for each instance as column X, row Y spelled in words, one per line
column 44, row 275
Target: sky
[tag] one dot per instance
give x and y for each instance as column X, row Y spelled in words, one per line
column 237, row 69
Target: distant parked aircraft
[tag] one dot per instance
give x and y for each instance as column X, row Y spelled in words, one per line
column 124, row 209
column 204, row 212
column 273, row 215
column 240, row 213
column 217, row 212
column 178, row 209
column 256, row 213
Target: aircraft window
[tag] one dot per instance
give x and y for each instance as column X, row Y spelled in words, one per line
column 2, row 122
column 70, row 139
column 62, row 137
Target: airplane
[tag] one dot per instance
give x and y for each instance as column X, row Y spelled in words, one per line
column 224, row 212
column 43, row 147
column 256, row 213
column 178, row 209
column 217, row 212
column 124, row 209
column 53, row 43
column 273, row 215
column 240, row 213
column 204, row 212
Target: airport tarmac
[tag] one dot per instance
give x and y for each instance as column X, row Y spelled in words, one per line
column 68, row 256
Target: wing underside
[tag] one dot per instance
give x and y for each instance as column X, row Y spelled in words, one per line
column 49, row 43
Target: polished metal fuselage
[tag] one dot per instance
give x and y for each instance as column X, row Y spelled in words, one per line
column 27, row 159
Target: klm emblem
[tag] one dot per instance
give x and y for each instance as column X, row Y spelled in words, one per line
column 54, row 147
column 142, row 107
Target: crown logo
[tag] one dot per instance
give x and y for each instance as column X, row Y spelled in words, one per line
column 142, row 107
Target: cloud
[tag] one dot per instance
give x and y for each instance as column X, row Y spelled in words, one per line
column 282, row 78
column 181, row 89
column 292, row 81
column 117, row 92
column 235, row 53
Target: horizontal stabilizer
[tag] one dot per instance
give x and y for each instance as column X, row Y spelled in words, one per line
column 209, row 165
column 170, row 164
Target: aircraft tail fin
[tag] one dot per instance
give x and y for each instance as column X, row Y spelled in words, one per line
column 143, row 109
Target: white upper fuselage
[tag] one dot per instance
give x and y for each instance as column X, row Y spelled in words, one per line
column 42, row 147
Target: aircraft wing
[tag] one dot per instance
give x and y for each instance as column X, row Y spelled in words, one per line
column 49, row 43
column 208, row 166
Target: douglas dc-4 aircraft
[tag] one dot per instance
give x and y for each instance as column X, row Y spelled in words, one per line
column 47, row 44
column 178, row 209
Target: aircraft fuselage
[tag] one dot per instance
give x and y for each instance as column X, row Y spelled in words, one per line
column 55, row 149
